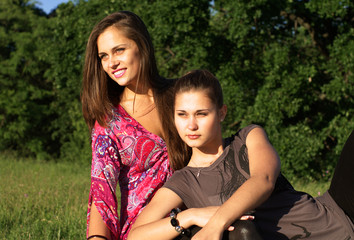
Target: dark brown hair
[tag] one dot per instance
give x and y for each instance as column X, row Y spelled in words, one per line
column 100, row 93
column 201, row 80
column 194, row 80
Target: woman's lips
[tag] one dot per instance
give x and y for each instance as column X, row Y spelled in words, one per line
column 193, row 136
column 119, row 73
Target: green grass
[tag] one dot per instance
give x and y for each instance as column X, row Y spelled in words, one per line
column 314, row 188
column 48, row 200
column 43, row 200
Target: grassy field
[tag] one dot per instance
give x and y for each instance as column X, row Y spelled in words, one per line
column 47, row 200
column 43, row 200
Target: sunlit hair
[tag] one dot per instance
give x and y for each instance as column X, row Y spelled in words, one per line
column 99, row 91
column 193, row 80
column 201, row 80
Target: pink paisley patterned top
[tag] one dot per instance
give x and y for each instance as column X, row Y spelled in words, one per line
column 125, row 153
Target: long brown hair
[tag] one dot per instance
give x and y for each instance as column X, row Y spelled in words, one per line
column 194, row 80
column 100, row 93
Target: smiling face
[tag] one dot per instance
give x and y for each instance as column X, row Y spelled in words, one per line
column 119, row 56
column 197, row 120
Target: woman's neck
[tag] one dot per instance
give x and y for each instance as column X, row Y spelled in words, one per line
column 137, row 103
column 133, row 92
column 202, row 158
column 142, row 108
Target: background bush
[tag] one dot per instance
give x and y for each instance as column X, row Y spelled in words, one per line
column 286, row 65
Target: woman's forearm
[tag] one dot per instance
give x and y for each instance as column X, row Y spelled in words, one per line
column 162, row 229
column 250, row 195
column 264, row 167
column 97, row 225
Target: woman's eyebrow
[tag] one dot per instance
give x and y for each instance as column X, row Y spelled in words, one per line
column 115, row 47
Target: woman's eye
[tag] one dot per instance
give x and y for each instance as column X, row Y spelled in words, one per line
column 202, row 114
column 181, row 114
column 119, row 50
column 103, row 57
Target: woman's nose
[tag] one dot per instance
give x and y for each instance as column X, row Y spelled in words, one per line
column 113, row 62
column 192, row 123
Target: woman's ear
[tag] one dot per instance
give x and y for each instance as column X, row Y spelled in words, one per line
column 222, row 112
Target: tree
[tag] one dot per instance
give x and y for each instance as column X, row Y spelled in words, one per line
column 24, row 92
column 291, row 76
column 284, row 64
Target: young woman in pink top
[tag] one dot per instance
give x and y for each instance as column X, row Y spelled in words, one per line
column 125, row 104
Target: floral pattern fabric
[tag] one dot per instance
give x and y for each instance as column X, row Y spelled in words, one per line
column 125, row 153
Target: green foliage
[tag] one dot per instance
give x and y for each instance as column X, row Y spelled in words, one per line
column 65, row 54
column 291, row 64
column 286, row 65
column 180, row 35
column 24, row 92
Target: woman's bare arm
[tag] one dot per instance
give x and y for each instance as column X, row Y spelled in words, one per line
column 154, row 223
column 97, row 225
column 264, row 166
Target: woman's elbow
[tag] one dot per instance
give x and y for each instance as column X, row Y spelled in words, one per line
column 265, row 183
column 269, row 185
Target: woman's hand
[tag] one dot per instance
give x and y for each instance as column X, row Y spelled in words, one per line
column 201, row 216
column 216, row 232
column 201, row 219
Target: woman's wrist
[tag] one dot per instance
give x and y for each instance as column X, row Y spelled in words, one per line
column 175, row 223
column 186, row 218
column 98, row 237
column 219, row 222
column 215, row 227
